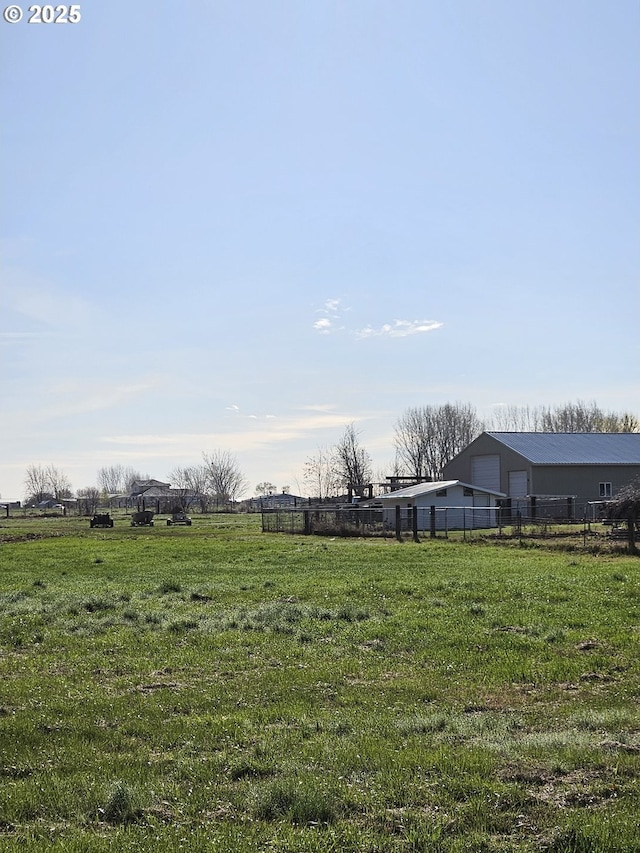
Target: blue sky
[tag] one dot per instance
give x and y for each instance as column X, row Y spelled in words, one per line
column 244, row 225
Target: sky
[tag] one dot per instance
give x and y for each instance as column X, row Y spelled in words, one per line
column 245, row 224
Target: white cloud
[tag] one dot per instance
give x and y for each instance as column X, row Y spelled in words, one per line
column 323, row 326
column 330, row 322
column 399, row 329
column 235, row 409
column 332, row 310
column 319, row 407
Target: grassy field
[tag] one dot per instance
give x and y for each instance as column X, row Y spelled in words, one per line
column 216, row 688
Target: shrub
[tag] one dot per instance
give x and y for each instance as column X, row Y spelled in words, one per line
column 122, row 805
column 169, row 586
column 301, row 801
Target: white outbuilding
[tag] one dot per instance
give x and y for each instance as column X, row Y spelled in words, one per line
column 443, row 505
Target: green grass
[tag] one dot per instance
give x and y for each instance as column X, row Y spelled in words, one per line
column 214, row 688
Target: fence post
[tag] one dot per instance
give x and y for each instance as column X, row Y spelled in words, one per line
column 398, row 525
column 307, row 522
column 414, row 524
column 432, row 521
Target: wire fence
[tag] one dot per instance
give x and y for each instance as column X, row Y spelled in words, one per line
column 356, row 521
column 451, row 522
column 361, row 521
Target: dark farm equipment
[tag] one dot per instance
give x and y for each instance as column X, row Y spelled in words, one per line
column 179, row 518
column 101, row 520
column 144, row 518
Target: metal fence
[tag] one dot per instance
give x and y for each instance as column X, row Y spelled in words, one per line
column 419, row 523
column 333, row 521
column 393, row 521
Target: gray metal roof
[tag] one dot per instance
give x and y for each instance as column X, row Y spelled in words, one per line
column 573, row 448
column 433, row 486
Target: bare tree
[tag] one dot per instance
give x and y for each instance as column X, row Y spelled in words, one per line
column 36, row 484
column 572, row 417
column 191, row 484
column 626, row 506
column 265, row 488
column 88, row 500
column 46, row 483
column 117, row 479
column 352, row 462
column 428, row 437
column 586, row 417
column 319, row 474
column 412, row 441
column 199, row 479
column 181, row 485
column 59, row 483
column 109, row 479
column 628, row 423
column 516, row 419
column 566, row 417
column 225, row 478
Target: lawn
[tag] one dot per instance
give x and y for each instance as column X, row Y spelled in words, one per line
column 216, row 688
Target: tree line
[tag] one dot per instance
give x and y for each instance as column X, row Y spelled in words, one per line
column 425, row 439
column 216, row 482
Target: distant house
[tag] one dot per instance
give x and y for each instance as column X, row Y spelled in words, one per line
column 282, row 500
column 152, row 488
column 49, row 503
column 554, row 474
column 456, row 505
column 153, row 494
column 7, row 506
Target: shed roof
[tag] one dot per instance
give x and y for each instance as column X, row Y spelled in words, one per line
column 574, row 448
column 149, row 488
column 421, row 489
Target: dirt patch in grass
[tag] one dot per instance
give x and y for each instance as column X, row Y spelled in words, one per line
column 563, row 789
column 157, row 685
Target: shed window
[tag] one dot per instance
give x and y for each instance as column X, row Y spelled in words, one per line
column 441, row 493
column 468, row 493
column 605, row 490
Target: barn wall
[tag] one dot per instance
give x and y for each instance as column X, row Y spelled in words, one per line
column 580, row 480
column 460, row 468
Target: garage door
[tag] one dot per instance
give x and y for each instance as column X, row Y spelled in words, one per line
column 517, row 484
column 485, row 471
